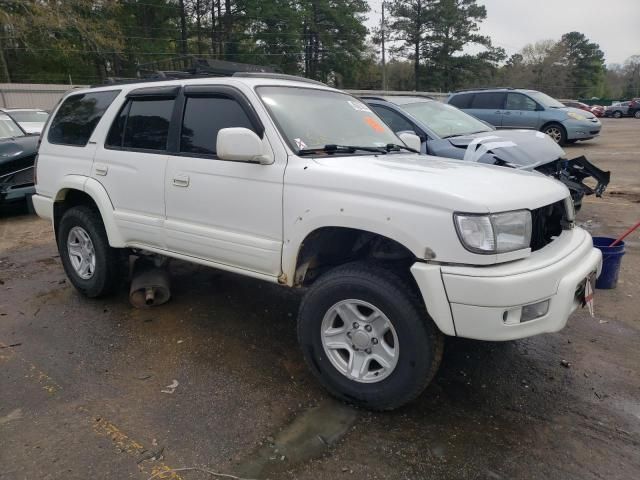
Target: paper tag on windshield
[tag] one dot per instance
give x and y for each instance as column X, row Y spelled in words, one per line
column 299, row 143
column 360, row 107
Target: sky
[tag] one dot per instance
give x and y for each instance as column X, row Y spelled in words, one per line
column 511, row 24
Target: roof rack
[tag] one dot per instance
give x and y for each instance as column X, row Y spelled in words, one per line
column 277, row 76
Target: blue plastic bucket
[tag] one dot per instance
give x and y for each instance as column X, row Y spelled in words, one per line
column 611, row 259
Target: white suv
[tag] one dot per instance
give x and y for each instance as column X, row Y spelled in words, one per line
column 296, row 183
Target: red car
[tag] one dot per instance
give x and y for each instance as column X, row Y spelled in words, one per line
column 575, row 104
column 597, row 110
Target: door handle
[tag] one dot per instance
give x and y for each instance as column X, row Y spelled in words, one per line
column 506, row 113
column 497, row 112
column 181, row 181
column 101, row 169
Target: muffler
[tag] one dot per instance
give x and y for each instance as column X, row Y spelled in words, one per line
column 150, row 284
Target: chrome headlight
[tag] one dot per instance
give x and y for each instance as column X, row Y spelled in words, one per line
column 576, row 116
column 495, row 233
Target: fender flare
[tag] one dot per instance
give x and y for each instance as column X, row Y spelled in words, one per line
column 100, row 197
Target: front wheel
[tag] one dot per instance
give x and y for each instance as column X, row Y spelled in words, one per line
column 91, row 264
column 367, row 337
column 557, row 133
column 636, row 114
column 617, row 114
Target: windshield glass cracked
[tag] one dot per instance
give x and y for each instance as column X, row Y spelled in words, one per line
column 311, row 119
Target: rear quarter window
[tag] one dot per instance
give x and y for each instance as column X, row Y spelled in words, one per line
column 77, row 117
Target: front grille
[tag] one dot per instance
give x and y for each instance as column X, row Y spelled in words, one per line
column 546, row 224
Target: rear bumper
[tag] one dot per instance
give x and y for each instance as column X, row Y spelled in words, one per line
column 485, row 303
column 43, row 206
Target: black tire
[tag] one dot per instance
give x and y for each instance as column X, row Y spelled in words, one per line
column 571, row 142
column 419, row 340
column 557, row 133
column 108, row 260
column 617, row 114
column 636, row 114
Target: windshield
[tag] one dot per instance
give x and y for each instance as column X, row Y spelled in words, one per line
column 545, row 99
column 444, row 119
column 9, row 128
column 27, row 116
column 311, row 118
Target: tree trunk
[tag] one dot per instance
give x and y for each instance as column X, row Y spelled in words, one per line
column 213, row 27
column 183, row 29
column 228, row 26
column 418, row 41
column 199, row 26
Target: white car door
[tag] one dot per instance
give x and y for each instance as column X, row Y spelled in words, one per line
column 222, row 211
column 131, row 164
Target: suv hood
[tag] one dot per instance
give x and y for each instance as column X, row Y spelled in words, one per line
column 529, row 148
column 449, row 185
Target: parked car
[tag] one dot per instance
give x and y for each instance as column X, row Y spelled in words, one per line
column 617, row 110
column 597, row 110
column 17, row 155
column 518, row 108
column 446, row 131
column 576, row 104
column 292, row 182
column 31, row 120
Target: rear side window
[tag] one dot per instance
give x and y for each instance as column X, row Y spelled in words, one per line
column 204, row 117
column 488, row 100
column 462, row 100
column 78, row 116
column 142, row 124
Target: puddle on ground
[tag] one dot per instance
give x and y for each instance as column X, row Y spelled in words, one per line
column 307, row 437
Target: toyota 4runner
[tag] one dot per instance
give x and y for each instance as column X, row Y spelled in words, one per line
column 296, row 183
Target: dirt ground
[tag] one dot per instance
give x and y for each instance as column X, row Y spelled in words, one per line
column 81, row 381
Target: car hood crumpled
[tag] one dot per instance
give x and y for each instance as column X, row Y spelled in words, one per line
column 525, row 149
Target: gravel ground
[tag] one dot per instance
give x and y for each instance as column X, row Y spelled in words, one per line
column 81, row 380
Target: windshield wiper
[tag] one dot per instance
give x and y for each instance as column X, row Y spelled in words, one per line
column 333, row 148
column 394, row 147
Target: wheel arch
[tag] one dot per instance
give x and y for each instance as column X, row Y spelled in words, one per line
column 77, row 190
column 330, row 246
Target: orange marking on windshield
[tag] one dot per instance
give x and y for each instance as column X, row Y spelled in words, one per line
column 373, row 123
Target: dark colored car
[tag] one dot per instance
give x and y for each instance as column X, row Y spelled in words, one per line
column 18, row 151
column 448, row 132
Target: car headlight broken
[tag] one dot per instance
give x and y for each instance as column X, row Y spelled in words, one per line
column 494, row 233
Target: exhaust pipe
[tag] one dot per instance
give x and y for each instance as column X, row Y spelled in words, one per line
column 150, row 284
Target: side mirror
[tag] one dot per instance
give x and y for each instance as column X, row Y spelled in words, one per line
column 241, row 145
column 411, row 140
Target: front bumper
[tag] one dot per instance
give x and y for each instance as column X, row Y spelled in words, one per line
column 577, row 130
column 482, row 302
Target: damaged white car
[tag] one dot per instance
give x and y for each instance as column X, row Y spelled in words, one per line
column 292, row 182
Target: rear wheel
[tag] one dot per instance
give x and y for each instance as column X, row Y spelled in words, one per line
column 93, row 267
column 367, row 337
column 557, row 133
column 636, row 114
